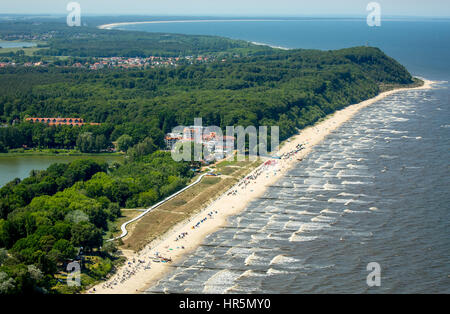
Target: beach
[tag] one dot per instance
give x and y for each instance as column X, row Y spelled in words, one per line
column 145, row 268
column 113, row 25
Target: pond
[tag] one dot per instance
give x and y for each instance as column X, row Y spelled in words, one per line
column 12, row 167
column 16, row 44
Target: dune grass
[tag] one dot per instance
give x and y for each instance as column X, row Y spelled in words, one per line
column 162, row 219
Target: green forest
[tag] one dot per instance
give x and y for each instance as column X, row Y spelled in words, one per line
column 291, row 89
column 46, row 218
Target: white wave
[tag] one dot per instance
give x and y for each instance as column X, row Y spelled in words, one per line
column 298, row 238
column 339, row 200
column 272, row 237
column 312, row 226
column 388, row 157
column 349, row 211
column 249, row 273
column 398, row 132
column 327, row 211
column 283, row 260
column 331, row 187
column 314, row 187
column 352, row 166
column 399, row 119
column 352, row 195
column 321, row 218
column 251, row 259
column 339, row 165
column 272, row 271
column 354, row 182
column 220, row 281
column 258, row 236
column 287, row 184
column 292, row 224
column 305, row 212
column 238, row 251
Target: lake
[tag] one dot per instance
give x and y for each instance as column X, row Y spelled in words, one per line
column 12, row 167
column 16, row 44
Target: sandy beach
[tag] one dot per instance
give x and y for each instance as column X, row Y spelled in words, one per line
column 145, row 268
column 113, row 25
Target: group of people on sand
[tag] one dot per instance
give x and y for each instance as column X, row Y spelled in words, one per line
column 161, row 259
column 127, row 272
column 181, row 236
column 134, row 266
column 252, row 177
column 210, row 215
column 290, row 154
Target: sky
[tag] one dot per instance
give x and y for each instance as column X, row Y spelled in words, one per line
column 428, row 8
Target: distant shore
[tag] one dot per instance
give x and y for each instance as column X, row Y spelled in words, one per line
column 114, row 25
column 232, row 202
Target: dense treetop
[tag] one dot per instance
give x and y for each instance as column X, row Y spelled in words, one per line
column 287, row 88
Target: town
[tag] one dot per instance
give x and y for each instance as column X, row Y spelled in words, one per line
column 108, row 63
column 216, row 145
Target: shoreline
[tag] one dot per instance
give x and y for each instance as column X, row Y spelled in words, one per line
column 115, row 25
column 133, row 277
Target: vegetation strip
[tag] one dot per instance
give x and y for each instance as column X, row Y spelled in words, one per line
column 124, row 226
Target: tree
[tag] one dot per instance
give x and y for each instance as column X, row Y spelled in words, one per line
column 3, row 255
column 144, row 148
column 64, row 250
column 85, row 142
column 100, row 143
column 86, row 235
column 110, row 247
column 148, row 198
column 3, row 148
column 125, row 142
column 35, row 273
column 7, row 284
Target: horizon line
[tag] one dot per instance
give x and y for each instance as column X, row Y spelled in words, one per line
column 356, row 16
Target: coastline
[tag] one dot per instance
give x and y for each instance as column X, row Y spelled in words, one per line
column 139, row 279
column 113, row 25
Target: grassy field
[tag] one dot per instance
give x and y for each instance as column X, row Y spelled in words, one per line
column 162, row 219
column 127, row 214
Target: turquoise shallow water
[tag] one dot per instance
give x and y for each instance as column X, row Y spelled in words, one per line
column 376, row 190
